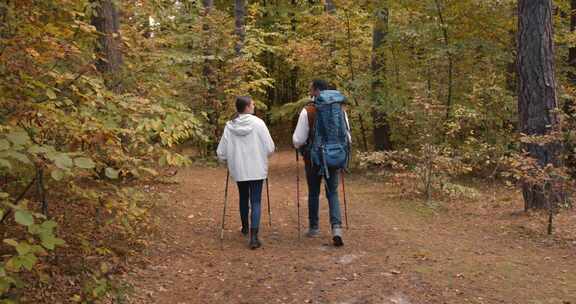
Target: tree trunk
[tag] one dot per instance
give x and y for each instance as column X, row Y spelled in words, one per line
column 511, row 71
column 330, row 7
column 511, row 77
column 569, row 106
column 449, row 57
column 207, row 70
column 537, row 90
column 572, row 50
column 4, row 18
column 353, row 80
column 107, row 22
column 295, row 71
column 207, row 4
column 210, row 77
column 381, row 131
column 240, row 31
column 571, row 58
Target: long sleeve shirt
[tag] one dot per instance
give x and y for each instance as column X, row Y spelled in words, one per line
column 300, row 136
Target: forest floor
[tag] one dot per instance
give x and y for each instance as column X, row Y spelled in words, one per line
column 398, row 249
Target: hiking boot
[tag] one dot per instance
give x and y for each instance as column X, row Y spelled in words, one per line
column 337, row 236
column 313, row 232
column 244, row 226
column 254, row 242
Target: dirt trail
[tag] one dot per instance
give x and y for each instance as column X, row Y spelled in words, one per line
column 395, row 251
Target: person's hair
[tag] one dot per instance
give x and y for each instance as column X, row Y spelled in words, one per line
column 242, row 102
column 320, row 85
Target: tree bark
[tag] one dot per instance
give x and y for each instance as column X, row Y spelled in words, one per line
column 330, row 7
column 295, row 71
column 353, row 79
column 569, row 105
column 4, row 18
column 107, row 22
column 207, row 70
column 208, row 5
column 209, row 75
column 571, row 57
column 240, row 30
column 537, row 90
column 381, row 132
column 511, row 77
column 572, row 50
column 511, row 70
column 449, row 57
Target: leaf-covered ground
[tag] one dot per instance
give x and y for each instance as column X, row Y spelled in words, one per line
column 398, row 249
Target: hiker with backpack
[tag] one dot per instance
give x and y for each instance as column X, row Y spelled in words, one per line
column 245, row 146
column 322, row 136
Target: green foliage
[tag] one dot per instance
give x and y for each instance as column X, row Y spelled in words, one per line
column 29, row 248
column 59, row 118
column 89, row 138
column 189, row 48
column 289, row 110
column 434, row 166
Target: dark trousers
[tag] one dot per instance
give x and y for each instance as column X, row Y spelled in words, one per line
column 250, row 198
column 331, row 186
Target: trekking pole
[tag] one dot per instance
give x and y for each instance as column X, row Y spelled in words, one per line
column 268, row 198
column 224, row 210
column 345, row 202
column 298, row 192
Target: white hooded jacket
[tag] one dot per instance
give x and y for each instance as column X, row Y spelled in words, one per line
column 246, row 145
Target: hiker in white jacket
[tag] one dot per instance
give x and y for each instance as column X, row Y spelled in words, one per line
column 246, row 145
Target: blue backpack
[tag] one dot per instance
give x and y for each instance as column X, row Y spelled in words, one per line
column 330, row 147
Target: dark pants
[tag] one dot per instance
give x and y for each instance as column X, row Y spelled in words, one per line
column 250, row 196
column 331, row 186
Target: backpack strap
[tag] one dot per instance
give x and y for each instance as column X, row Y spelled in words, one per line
column 311, row 112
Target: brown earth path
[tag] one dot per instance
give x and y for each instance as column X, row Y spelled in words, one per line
column 396, row 251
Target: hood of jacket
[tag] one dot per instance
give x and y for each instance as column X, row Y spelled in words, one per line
column 242, row 125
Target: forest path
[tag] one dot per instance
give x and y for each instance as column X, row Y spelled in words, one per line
column 397, row 250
